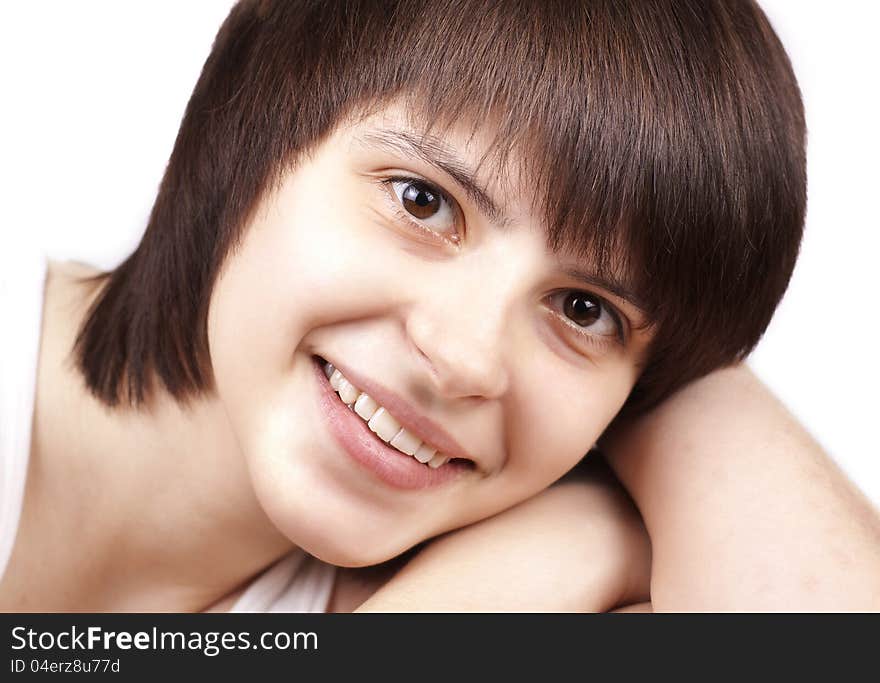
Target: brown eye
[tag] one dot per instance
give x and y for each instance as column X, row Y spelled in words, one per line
column 420, row 201
column 583, row 309
column 588, row 315
column 427, row 206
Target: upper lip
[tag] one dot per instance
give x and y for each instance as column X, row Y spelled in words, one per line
column 409, row 417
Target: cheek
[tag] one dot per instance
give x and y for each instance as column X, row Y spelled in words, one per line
column 300, row 266
column 561, row 421
column 303, row 266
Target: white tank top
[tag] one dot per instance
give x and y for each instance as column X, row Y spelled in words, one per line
column 298, row 582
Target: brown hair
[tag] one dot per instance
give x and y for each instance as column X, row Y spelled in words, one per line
column 664, row 139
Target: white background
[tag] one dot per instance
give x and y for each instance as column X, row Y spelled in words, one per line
column 93, row 92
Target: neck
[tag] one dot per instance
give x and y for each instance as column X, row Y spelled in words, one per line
column 153, row 506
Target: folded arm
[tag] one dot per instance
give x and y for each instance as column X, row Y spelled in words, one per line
column 744, row 509
column 578, row 546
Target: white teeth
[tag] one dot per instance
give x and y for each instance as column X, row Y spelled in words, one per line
column 425, row 453
column 347, row 391
column 335, row 378
column 384, row 424
column 437, row 460
column 381, row 421
column 406, row 442
column 365, row 406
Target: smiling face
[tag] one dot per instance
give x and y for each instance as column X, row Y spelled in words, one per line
column 387, row 254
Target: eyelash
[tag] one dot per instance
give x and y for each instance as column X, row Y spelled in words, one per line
column 599, row 342
column 386, row 183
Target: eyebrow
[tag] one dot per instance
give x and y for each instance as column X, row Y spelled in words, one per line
column 435, row 152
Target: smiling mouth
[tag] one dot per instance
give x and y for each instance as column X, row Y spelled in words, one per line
column 384, row 425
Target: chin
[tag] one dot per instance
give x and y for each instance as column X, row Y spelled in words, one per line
column 347, row 555
column 327, row 527
column 346, row 544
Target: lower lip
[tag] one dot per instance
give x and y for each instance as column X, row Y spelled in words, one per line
column 390, row 465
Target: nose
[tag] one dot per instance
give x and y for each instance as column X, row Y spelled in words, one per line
column 459, row 334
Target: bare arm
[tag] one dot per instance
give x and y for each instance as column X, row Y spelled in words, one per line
column 744, row 509
column 578, row 546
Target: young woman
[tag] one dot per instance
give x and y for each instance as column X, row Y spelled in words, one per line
column 403, row 270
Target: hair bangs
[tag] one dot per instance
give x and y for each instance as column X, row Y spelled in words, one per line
column 551, row 102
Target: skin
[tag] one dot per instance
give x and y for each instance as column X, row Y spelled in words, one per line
column 743, row 515
column 126, row 530
column 747, row 513
column 465, row 331
column 579, row 546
